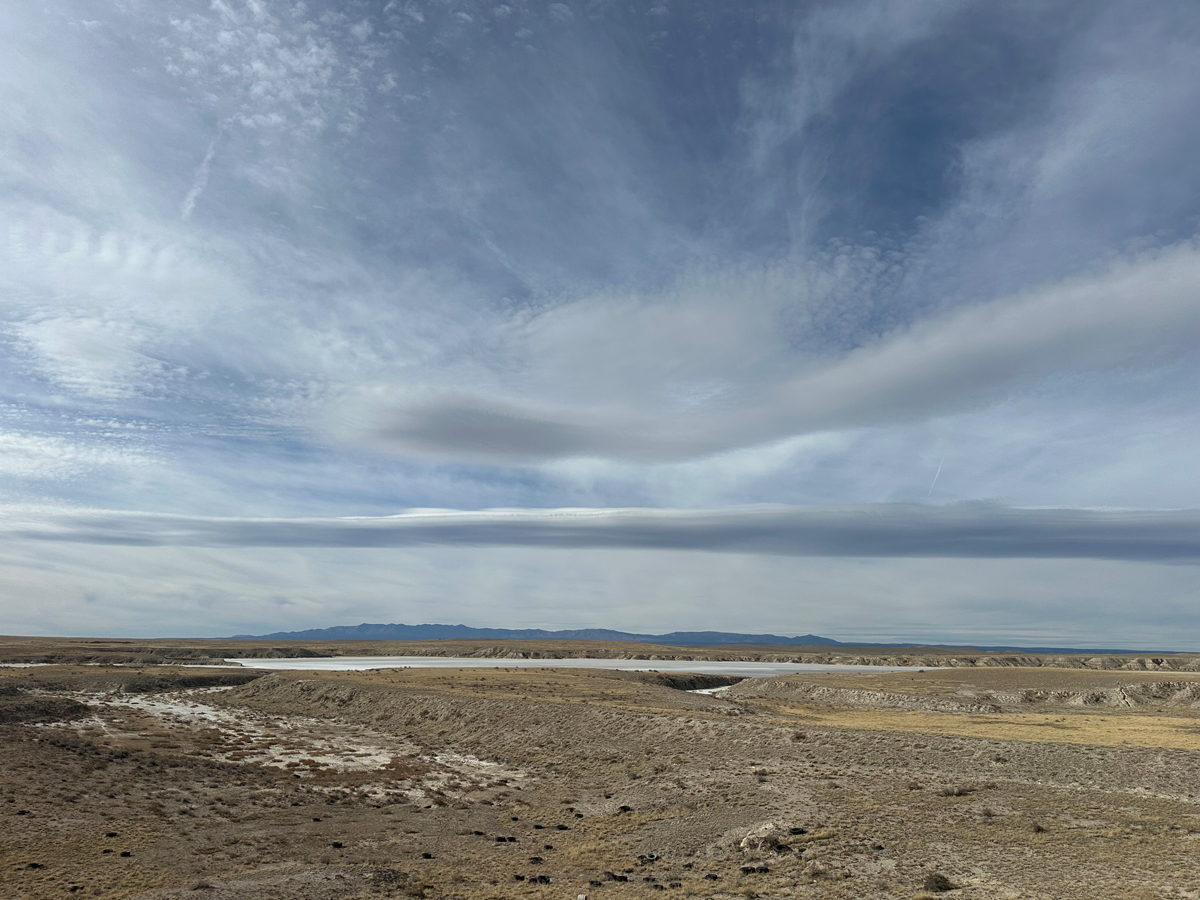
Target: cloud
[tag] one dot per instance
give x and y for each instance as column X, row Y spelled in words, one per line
column 708, row 255
column 106, row 589
column 199, row 181
column 91, row 356
column 35, row 457
column 1137, row 314
column 970, row 530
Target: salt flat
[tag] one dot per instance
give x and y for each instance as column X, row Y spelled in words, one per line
column 743, row 668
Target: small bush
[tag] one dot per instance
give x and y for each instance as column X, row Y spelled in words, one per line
column 958, row 790
column 936, row 883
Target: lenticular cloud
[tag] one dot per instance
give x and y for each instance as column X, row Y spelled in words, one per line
column 967, row 530
column 1141, row 314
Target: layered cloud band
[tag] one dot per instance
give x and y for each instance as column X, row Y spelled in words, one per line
column 964, row 530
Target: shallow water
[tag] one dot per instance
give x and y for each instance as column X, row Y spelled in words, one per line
column 699, row 666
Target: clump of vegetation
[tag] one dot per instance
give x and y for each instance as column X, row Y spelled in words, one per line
column 17, row 706
column 958, row 790
column 937, row 883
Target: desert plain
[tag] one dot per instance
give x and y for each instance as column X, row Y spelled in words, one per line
column 157, row 769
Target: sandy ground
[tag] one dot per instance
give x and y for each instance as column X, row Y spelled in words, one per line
column 1033, row 782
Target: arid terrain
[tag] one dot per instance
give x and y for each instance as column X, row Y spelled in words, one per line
column 127, row 774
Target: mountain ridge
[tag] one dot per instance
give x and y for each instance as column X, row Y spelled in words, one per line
column 367, row 631
column 429, row 632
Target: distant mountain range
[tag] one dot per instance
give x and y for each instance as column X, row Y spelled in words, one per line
column 369, row 632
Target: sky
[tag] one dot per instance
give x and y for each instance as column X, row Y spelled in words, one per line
column 876, row 319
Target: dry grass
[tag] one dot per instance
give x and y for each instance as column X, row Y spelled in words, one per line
column 952, row 682
column 1110, row 729
column 651, row 783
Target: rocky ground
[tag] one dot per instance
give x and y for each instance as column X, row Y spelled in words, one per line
column 970, row 782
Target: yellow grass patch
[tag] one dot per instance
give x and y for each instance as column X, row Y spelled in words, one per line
column 1107, row 730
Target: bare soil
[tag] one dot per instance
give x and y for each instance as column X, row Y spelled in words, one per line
column 976, row 782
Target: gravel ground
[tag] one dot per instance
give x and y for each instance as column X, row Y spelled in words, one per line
column 555, row 783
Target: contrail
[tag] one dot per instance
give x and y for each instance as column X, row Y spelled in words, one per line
column 200, row 182
column 936, row 474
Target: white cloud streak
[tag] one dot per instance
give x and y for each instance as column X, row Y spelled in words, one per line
column 199, row 182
